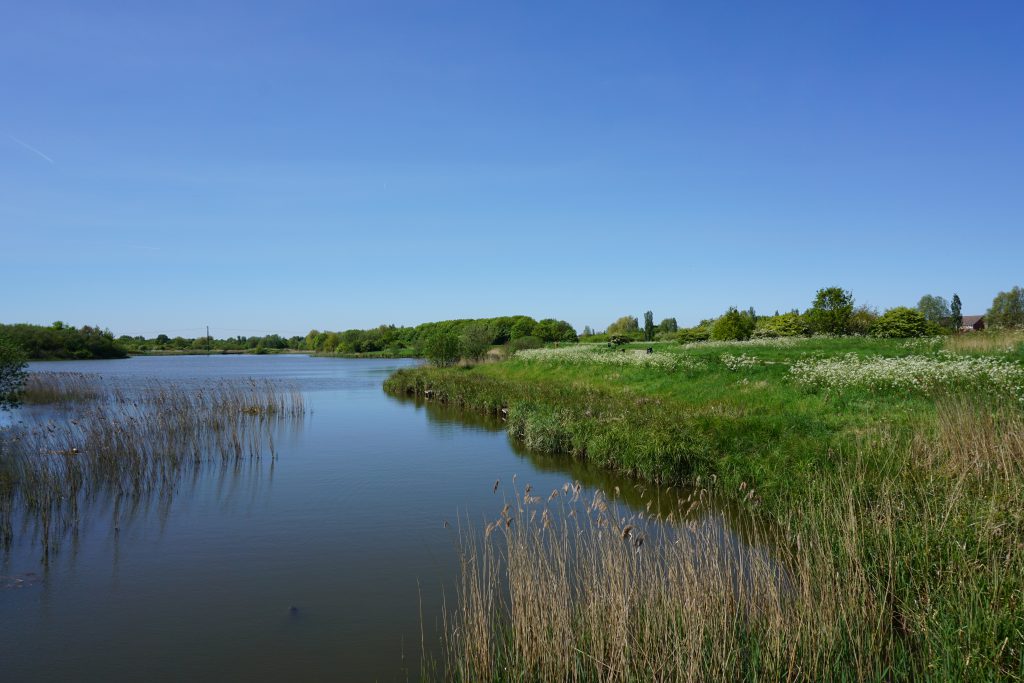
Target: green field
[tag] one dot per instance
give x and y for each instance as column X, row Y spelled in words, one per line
column 891, row 470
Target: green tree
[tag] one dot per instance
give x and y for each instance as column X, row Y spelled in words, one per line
column 733, row 325
column 862, row 320
column 901, row 322
column 668, row 325
column 780, row 325
column 587, row 332
column 935, row 309
column 475, row 341
column 12, row 373
column 648, row 326
column 442, row 348
column 1007, row 309
column 956, row 314
column 523, row 328
column 626, row 325
column 831, row 311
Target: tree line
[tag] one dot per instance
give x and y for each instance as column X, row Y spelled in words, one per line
column 833, row 312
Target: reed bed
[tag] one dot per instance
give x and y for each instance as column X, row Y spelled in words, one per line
column 62, row 387
column 134, row 442
column 877, row 576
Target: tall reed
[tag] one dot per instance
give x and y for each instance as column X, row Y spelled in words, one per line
column 135, row 441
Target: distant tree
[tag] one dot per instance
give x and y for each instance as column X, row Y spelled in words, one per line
column 935, row 309
column 626, row 325
column 475, row 341
column 733, row 325
column 956, row 315
column 668, row 325
column 551, row 330
column 1007, row 309
column 442, row 348
column 901, row 322
column 648, row 326
column 587, row 332
column 523, row 327
column 862, row 319
column 162, row 339
column 831, row 311
column 12, row 373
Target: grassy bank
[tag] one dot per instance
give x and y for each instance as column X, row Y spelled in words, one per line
column 892, row 472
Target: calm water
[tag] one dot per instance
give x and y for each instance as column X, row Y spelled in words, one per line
column 347, row 527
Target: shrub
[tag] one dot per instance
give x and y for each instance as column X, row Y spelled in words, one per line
column 475, row 341
column 900, row 322
column 12, row 373
column 522, row 343
column 784, row 325
column 732, row 325
column 442, row 348
column 688, row 335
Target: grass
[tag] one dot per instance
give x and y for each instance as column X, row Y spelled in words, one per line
column 894, row 509
column 128, row 442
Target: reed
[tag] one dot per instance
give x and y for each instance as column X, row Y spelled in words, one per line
column 61, row 387
column 134, row 442
column 871, row 579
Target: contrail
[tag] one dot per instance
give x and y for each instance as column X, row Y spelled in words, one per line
column 30, row 148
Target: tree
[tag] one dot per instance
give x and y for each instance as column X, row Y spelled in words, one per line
column 935, row 309
column 831, row 311
column 587, row 332
column 956, row 316
column 780, row 325
column 862, row 320
column 12, row 373
column 1007, row 309
column 475, row 341
column 668, row 325
column 901, row 322
column 626, row 325
column 648, row 326
column 522, row 328
column 733, row 325
column 442, row 348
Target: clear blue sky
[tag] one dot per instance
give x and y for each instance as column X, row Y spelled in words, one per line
column 283, row 166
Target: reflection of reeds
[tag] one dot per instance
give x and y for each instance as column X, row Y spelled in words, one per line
column 132, row 442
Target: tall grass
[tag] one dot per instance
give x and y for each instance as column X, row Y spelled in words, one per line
column 61, row 387
column 989, row 341
column 132, row 442
column 915, row 573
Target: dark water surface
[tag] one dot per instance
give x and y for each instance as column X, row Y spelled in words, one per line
column 312, row 566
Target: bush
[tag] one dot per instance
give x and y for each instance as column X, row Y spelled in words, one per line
column 732, row 325
column 784, row 325
column 474, row 341
column 528, row 342
column 12, row 372
column 442, row 349
column 693, row 334
column 901, row 322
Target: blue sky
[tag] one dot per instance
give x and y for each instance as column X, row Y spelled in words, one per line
column 285, row 166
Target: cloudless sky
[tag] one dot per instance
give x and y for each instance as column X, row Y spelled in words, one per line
column 276, row 167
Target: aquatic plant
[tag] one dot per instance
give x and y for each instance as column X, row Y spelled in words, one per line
column 130, row 442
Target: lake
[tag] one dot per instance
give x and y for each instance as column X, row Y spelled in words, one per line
column 316, row 564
